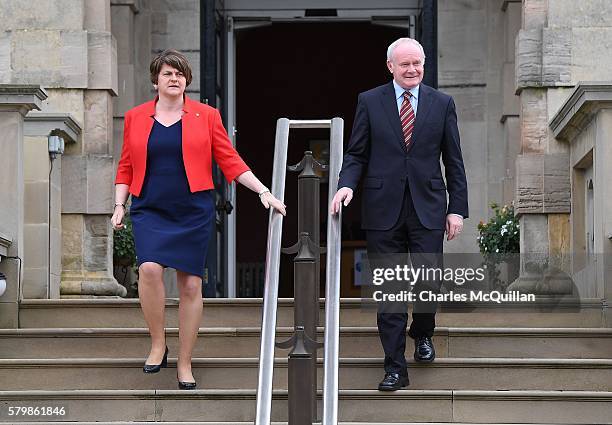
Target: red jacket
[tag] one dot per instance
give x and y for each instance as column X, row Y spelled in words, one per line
column 204, row 138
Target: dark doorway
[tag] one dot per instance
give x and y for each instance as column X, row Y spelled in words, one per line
column 297, row 71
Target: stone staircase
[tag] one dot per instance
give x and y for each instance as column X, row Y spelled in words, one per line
column 495, row 365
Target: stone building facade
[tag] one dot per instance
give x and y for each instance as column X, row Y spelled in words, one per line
column 515, row 68
column 562, row 72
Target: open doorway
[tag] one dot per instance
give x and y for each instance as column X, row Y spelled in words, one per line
column 298, row 71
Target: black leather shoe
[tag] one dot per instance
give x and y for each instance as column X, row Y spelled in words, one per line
column 154, row 368
column 424, row 351
column 186, row 385
column 393, row 382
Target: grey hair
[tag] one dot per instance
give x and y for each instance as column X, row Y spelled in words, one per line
column 404, row 40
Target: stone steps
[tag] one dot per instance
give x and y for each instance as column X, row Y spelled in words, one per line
column 240, row 312
column 493, row 366
column 355, row 373
column 491, row 407
column 247, row 423
column 591, row 343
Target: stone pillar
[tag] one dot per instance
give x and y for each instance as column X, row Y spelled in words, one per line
column 15, row 102
column 543, row 59
column 43, row 191
column 87, row 199
column 87, row 170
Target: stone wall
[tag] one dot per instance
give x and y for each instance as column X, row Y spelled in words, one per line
column 176, row 24
column 584, row 123
column 131, row 27
column 560, row 44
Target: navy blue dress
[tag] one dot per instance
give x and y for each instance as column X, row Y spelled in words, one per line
column 171, row 225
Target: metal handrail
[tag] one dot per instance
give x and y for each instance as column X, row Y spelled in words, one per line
column 270, row 301
column 332, row 277
column 270, row 298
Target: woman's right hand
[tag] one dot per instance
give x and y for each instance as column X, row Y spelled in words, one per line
column 268, row 200
column 117, row 218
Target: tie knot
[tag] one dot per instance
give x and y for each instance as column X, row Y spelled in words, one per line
column 407, row 95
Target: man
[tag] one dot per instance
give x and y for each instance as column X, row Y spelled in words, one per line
column 401, row 130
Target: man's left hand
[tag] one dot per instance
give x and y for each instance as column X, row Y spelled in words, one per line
column 454, row 226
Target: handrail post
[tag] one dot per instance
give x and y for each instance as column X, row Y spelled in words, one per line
column 302, row 367
column 302, row 371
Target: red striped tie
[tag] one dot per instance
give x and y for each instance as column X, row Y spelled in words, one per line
column 407, row 118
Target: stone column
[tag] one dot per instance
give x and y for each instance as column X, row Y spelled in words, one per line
column 43, row 191
column 87, row 200
column 15, row 102
column 543, row 69
column 87, row 170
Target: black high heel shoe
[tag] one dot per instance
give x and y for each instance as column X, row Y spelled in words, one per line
column 185, row 385
column 154, row 368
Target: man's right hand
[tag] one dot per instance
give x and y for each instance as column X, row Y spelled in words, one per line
column 343, row 194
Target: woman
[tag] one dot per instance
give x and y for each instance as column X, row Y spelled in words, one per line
column 166, row 164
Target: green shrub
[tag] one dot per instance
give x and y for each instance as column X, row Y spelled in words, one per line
column 499, row 243
column 501, row 234
column 124, row 250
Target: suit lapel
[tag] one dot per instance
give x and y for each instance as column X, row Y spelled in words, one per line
column 389, row 103
column 424, row 106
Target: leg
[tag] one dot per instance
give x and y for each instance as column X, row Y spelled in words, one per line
column 391, row 317
column 190, row 317
column 392, row 333
column 153, row 301
column 425, row 247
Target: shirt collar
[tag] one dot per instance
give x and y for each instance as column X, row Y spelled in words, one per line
column 399, row 91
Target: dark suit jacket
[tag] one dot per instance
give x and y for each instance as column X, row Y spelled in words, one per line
column 376, row 151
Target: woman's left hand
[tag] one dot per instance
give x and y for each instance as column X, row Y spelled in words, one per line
column 268, row 200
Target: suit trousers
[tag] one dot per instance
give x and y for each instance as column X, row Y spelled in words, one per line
column 407, row 238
